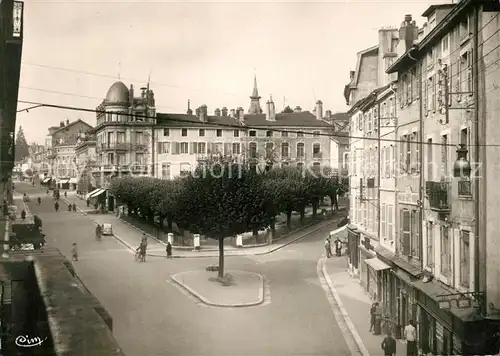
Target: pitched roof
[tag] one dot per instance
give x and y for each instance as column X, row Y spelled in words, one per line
column 184, row 120
column 71, row 124
column 295, row 119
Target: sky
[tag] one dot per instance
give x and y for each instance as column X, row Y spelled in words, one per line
column 207, row 52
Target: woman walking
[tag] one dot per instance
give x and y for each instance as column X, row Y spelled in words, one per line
column 169, row 250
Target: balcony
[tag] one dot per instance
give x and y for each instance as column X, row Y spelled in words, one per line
column 113, row 146
column 318, row 154
column 438, row 195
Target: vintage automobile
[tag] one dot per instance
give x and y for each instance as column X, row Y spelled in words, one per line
column 107, row 229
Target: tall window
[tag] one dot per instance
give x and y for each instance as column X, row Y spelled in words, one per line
column 430, row 160
column 284, row 149
column 444, row 156
column 300, row 150
column 184, row 132
column 430, row 243
column 139, row 158
column 236, row 148
column 236, row 133
column 165, row 170
column 252, row 133
column 445, row 251
column 201, row 132
column 201, row 148
column 316, row 150
column 269, row 133
column 253, row 150
column 166, row 132
column 410, row 237
column 284, row 134
column 184, row 148
column 219, row 132
column 390, row 223
column 464, row 258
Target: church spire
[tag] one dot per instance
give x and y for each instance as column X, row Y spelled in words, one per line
column 255, row 99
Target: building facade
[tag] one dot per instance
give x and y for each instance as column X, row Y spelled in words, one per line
column 441, row 258
column 85, row 154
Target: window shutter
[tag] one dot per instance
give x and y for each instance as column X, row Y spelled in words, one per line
column 227, row 149
column 383, row 221
column 176, row 148
column 405, row 217
column 160, row 148
column 418, row 243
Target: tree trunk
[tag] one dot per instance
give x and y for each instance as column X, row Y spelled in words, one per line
column 161, row 222
column 169, row 222
column 302, row 213
column 221, row 257
column 336, row 201
column 289, row 219
column 273, row 227
column 315, row 208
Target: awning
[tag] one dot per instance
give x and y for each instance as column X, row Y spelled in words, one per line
column 46, row 180
column 63, row 181
column 377, row 264
column 73, row 180
column 398, row 261
column 92, row 192
column 97, row 193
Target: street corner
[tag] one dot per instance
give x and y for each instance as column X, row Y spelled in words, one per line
column 239, row 289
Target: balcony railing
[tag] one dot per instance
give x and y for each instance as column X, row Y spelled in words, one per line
column 438, row 194
column 113, row 146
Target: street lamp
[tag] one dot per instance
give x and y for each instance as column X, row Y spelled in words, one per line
column 462, row 167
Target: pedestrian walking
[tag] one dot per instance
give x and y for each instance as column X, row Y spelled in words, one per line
column 88, row 202
column 56, row 206
column 328, row 248
column 169, row 250
column 23, row 214
column 338, row 247
column 410, row 335
column 143, row 251
column 372, row 316
column 389, row 345
column 39, row 200
column 74, row 252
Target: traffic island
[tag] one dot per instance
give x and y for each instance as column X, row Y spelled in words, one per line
column 246, row 289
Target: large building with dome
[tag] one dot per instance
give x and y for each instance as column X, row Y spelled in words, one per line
column 132, row 138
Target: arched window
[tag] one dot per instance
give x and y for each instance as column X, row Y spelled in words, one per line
column 285, row 150
column 253, row 150
column 300, row 150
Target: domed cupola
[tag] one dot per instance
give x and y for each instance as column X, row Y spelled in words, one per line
column 118, row 94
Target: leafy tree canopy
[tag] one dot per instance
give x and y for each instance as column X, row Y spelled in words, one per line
column 22, row 147
column 287, row 110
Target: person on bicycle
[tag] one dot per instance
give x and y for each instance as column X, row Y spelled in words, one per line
column 39, row 200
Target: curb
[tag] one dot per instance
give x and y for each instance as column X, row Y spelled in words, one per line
column 343, row 312
column 228, row 253
column 207, row 302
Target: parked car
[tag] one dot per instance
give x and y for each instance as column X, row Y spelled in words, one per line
column 107, row 229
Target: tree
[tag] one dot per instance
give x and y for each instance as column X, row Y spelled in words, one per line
column 22, row 148
column 287, row 110
column 221, row 199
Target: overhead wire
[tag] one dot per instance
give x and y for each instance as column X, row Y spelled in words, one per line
column 233, row 126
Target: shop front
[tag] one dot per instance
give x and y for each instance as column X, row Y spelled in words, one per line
column 376, row 275
column 453, row 331
column 399, row 301
column 73, row 182
column 368, row 276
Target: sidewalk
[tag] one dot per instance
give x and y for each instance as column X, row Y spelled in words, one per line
column 351, row 297
column 131, row 238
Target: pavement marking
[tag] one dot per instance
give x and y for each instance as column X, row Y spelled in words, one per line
column 351, row 336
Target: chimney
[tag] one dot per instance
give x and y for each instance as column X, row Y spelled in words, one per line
column 408, row 32
column 297, row 109
column 319, row 110
column 232, row 113
column 328, row 114
column 351, row 75
column 240, row 114
column 67, row 122
column 217, row 112
column 189, row 111
column 224, row 111
column 131, row 94
column 203, row 113
column 270, row 113
column 61, row 124
column 143, row 92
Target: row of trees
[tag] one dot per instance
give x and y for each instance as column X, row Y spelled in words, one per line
column 221, row 199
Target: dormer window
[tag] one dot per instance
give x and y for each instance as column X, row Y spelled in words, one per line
column 252, row 133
